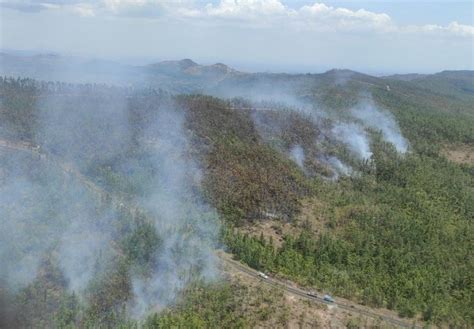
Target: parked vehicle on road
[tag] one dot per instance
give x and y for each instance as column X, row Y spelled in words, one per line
column 328, row 298
column 262, row 275
column 312, row 294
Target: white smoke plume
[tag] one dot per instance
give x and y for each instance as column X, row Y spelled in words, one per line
column 187, row 225
column 72, row 220
column 297, row 155
column 373, row 117
column 85, row 246
column 21, row 248
column 77, row 128
column 355, row 137
column 340, row 169
column 40, row 213
column 350, row 128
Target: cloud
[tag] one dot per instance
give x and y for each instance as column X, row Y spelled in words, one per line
column 322, row 16
column 28, row 6
column 133, row 8
column 120, row 8
column 453, row 28
column 318, row 16
column 255, row 13
column 246, row 9
column 84, row 9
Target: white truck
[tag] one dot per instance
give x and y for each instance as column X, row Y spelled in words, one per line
column 262, row 275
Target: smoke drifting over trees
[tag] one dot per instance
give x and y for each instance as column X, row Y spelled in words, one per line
column 353, row 129
column 187, row 225
column 93, row 132
column 53, row 212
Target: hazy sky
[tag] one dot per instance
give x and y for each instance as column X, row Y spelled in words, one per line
column 266, row 35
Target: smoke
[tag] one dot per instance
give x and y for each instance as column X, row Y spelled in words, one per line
column 340, row 169
column 297, row 155
column 355, row 137
column 40, row 213
column 341, row 77
column 82, row 126
column 79, row 127
column 83, row 250
column 64, row 213
column 187, row 225
column 21, row 249
column 349, row 128
column 351, row 134
column 372, row 117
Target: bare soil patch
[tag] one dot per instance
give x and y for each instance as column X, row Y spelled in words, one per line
column 462, row 154
column 273, row 229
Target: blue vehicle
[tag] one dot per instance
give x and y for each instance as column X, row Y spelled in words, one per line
column 328, row 299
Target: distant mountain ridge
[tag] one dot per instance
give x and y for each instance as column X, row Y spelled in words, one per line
column 405, row 77
column 187, row 76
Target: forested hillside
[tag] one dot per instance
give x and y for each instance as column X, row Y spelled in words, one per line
column 386, row 221
column 456, row 84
